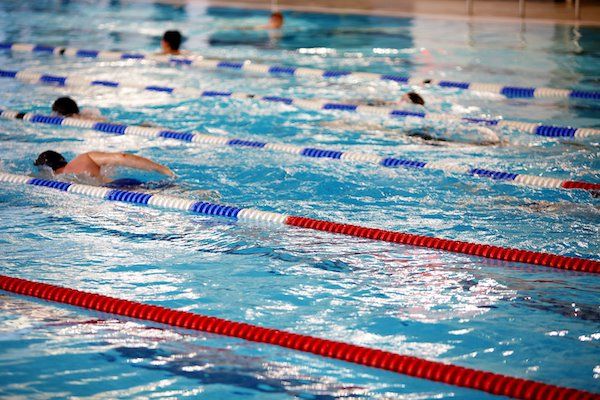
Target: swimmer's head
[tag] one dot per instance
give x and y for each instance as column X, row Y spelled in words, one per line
column 65, row 106
column 171, row 41
column 50, row 159
column 276, row 20
column 414, row 98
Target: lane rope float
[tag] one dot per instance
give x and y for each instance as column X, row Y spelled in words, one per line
column 534, row 128
column 281, row 70
column 450, row 374
column 249, row 214
column 311, row 152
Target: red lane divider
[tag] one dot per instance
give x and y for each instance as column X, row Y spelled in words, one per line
column 581, row 185
column 475, row 249
column 435, row 371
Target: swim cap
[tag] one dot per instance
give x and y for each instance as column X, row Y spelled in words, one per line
column 50, row 159
column 65, row 106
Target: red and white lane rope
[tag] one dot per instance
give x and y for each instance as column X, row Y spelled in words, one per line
column 249, row 214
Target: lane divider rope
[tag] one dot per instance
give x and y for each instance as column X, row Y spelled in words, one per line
column 249, row 214
column 311, row 152
column 535, row 128
column 450, row 374
column 249, row 66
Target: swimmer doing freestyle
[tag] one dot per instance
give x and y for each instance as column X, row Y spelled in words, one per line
column 91, row 163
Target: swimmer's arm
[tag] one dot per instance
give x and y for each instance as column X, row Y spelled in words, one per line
column 128, row 160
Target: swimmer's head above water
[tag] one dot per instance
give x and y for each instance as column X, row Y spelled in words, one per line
column 65, row 107
column 171, row 42
column 275, row 20
column 51, row 159
column 412, row 97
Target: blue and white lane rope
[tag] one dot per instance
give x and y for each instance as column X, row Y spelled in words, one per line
column 249, row 66
column 310, row 104
column 311, row 152
column 249, row 214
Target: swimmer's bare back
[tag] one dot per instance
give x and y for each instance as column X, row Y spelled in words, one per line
column 82, row 164
column 91, row 164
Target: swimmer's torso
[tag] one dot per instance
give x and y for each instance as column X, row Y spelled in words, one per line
column 83, row 164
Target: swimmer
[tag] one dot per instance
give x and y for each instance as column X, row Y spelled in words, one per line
column 410, row 98
column 477, row 136
column 275, row 22
column 91, row 163
column 170, row 43
column 67, row 107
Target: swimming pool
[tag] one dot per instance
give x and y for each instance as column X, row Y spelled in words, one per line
column 510, row 318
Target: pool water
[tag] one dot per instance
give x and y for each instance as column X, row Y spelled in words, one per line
column 531, row 322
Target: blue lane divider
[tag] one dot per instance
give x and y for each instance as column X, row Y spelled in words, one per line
column 395, row 78
column 230, row 65
column 278, row 99
column 276, row 69
column 339, row 106
column 213, row 93
column 131, row 56
column 532, row 128
column 321, row 153
column 403, row 113
column 389, row 162
column 555, row 131
column 8, row 74
column 517, row 92
column 51, row 184
column 43, row 49
column 53, row 79
column 179, row 61
column 335, row 74
column 459, row 85
column 110, row 128
column 508, row 90
column 47, row 119
column 398, row 162
column 202, row 207
column 87, row 53
column 498, row 175
column 183, row 136
column 128, row 197
column 580, row 94
column 105, row 83
column 246, row 143
column 159, row 89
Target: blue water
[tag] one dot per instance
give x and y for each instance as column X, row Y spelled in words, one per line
column 520, row 320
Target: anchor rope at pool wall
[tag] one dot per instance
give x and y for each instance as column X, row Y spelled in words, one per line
column 310, row 152
column 535, row 128
column 249, row 66
column 450, row 374
column 249, row 214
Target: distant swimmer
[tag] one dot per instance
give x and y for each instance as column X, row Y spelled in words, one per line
column 67, row 107
column 410, row 98
column 90, row 164
column 473, row 136
column 171, row 43
column 275, row 22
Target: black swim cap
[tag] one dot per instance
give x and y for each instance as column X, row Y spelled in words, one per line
column 65, row 106
column 173, row 38
column 415, row 98
column 50, row 159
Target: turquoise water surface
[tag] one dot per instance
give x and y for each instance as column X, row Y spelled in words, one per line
column 531, row 322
